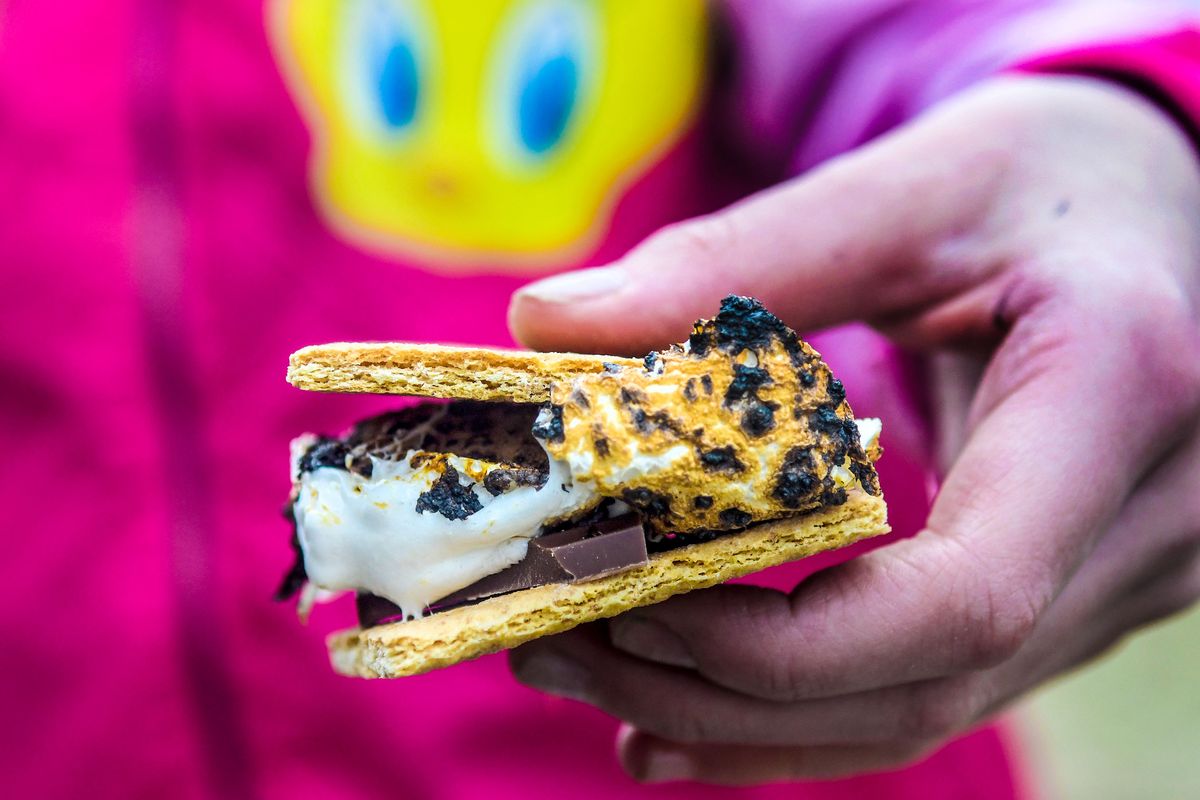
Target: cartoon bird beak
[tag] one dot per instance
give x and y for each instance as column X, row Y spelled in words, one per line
column 441, row 184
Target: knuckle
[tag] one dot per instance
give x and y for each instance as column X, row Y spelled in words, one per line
column 1150, row 325
column 779, row 682
column 1000, row 630
column 1182, row 594
column 991, row 609
column 1142, row 323
column 937, row 711
column 704, row 240
column 1187, row 533
column 910, row 752
column 1185, row 381
column 679, row 722
column 998, row 615
column 1191, row 510
column 1189, row 591
column 772, row 667
column 1169, row 353
column 932, row 718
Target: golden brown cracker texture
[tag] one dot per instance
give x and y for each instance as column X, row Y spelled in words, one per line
column 429, row 370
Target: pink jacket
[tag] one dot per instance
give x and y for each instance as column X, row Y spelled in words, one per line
column 160, row 256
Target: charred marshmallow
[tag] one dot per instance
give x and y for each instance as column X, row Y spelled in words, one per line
column 378, row 534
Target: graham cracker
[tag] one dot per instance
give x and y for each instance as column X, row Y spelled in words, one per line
column 444, row 371
column 499, row 623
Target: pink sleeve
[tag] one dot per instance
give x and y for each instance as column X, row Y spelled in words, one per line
column 1164, row 68
column 813, row 79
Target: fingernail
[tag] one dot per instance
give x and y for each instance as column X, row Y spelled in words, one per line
column 665, row 765
column 651, row 640
column 583, row 284
column 554, row 674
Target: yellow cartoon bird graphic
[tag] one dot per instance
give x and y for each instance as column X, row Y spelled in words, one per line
column 458, row 129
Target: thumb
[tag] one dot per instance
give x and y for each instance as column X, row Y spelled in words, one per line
column 845, row 242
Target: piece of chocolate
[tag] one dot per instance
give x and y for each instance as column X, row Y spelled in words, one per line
column 374, row 610
column 578, row 554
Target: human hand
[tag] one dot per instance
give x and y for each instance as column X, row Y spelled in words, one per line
column 1040, row 239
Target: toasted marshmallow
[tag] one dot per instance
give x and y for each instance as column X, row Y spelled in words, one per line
column 375, row 534
column 384, row 534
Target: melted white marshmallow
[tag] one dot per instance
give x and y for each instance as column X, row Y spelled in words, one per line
column 366, row 534
column 868, row 431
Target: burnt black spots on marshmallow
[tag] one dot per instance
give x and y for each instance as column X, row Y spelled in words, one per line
column 837, row 391
column 721, row 459
column 866, row 475
column 826, row 420
column 758, row 416
column 325, row 452
column 842, row 434
column 743, row 323
column 797, row 478
column 734, row 518
column 746, row 383
column 549, row 425
column 648, row 502
column 329, row 452
column 580, row 399
column 448, row 497
column 496, row 432
column 502, row 479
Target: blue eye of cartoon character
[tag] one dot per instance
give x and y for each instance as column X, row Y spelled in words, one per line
column 543, row 62
column 546, row 99
column 398, row 85
column 385, row 55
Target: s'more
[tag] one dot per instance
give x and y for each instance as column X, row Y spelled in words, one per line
column 533, row 492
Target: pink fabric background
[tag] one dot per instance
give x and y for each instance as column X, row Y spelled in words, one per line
column 159, row 259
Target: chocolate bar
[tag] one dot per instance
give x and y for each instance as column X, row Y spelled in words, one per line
column 578, row 554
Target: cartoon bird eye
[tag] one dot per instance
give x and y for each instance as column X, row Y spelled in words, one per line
column 397, row 87
column 543, row 63
column 383, row 52
column 549, row 85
